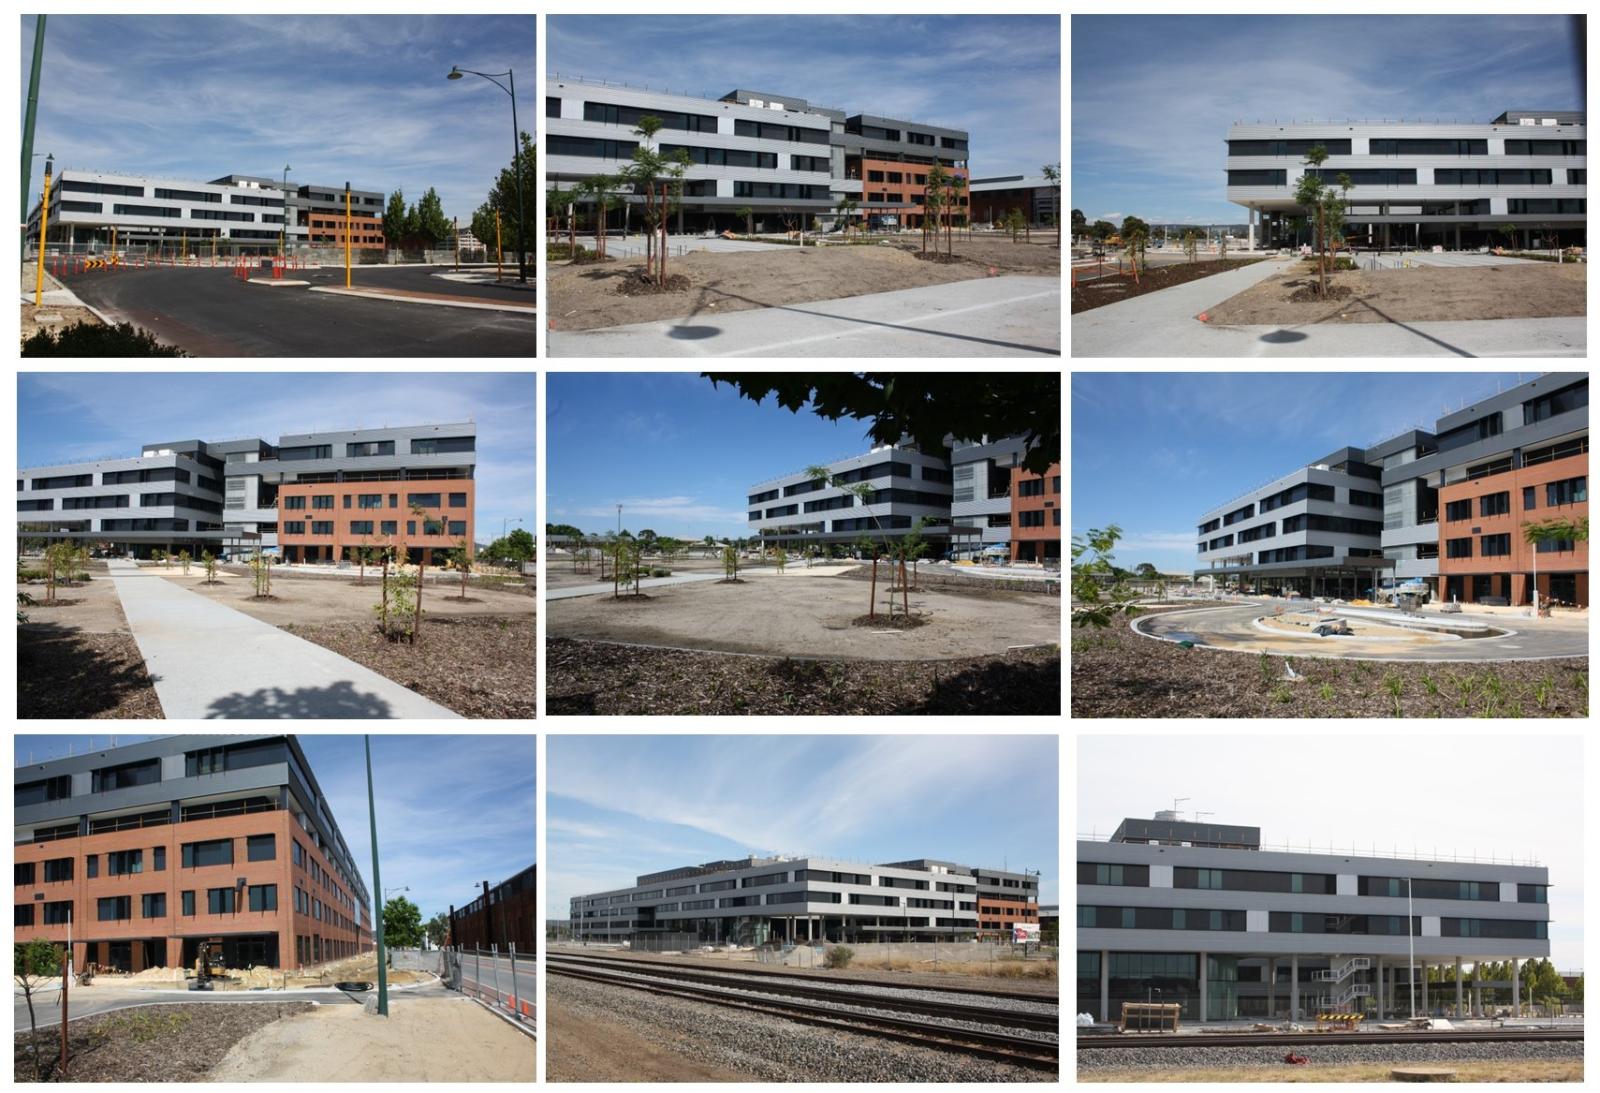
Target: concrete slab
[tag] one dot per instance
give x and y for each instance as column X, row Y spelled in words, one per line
column 987, row 317
column 209, row 661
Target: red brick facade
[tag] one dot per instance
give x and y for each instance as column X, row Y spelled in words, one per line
column 1509, row 576
column 308, row 533
column 1036, row 515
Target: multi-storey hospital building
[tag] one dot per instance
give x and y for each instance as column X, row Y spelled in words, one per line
column 1421, row 183
column 142, row 852
column 315, row 497
column 785, row 159
column 1448, row 507
column 1199, row 914
column 756, row 900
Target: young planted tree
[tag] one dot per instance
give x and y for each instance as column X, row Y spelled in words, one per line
column 209, row 561
column 1014, row 223
column 932, row 202
column 183, row 560
column 261, row 573
column 34, row 963
column 780, row 558
column 1093, row 602
column 603, row 192
column 862, row 492
column 747, row 214
column 1310, row 194
column 1052, row 174
column 461, row 561
column 952, row 204
column 730, row 562
column 1558, row 530
column 1080, row 223
column 158, row 556
column 1511, row 236
column 1191, row 243
column 846, row 210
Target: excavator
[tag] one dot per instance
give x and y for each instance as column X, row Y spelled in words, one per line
column 208, row 964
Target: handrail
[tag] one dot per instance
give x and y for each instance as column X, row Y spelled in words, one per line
column 1309, row 848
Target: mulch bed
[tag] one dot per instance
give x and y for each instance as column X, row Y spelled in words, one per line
column 478, row 667
column 1307, row 294
column 885, row 622
column 586, row 677
column 179, row 1042
column 636, row 283
column 940, row 257
column 1116, row 673
column 1086, row 297
column 66, row 673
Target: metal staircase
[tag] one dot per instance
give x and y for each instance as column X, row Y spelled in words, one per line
column 1338, row 999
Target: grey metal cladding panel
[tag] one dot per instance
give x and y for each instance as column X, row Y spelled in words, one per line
column 1268, row 944
column 1205, row 898
column 154, row 795
column 904, row 124
column 1354, row 129
column 1296, row 862
column 1522, row 437
column 133, row 753
column 1409, row 439
column 689, row 104
column 397, row 433
column 1503, row 400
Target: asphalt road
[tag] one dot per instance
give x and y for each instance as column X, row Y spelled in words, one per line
column 209, row 313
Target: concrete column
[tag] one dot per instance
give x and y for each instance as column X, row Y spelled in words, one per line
column 1458, row 986
column 1204, row 985
column 1105, row 985
column 1294, row 987
column 1252, row 229
column 1377, row 985
column 1423, row 968
column 1516, row 987
column 1272, row 988
column 1458, row 237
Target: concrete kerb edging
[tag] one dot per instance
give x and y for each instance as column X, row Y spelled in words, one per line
column 1136, row 628
column 276, row 282
column 516, row 309
column 529, row 1031
column 806, row 659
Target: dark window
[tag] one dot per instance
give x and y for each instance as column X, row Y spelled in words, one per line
column 80, row 206
column 58, row 788
column 1577, row 176
column 1569, row 491
column 322, row 527
column 322, row 501
column 101, row 188
column 1493, row 928
column 1494, row 504
column 425, row 500
column 154, row 905
column 160, row 859
column 458, row 500
column 263, row 897
column 552, row 106
column 91, row 865
column 443, row 444
column 1337, row 146
column 1526, row 206
column 1458, row 548
column 214, row 852
column 115, row 908
column 590, row 147
column 611, row 114
column 1562, row 450
column 458, row 527
column 1128, row 876
column 1494, row 546
column 58, row 913
column 1422, row 147
column 1545, row 147
column 387, row 527
column 1490, row 176
column 1260, row 531
column 1528, row 494
column 1269, row 177
column 261, row 848
column 1562, row 401
column 188, row 903
column 1533, row 893
column 221, row 901
column 122, row 862
column 1427, row 550
column 369, row 448
column 65, row 482
column 1318, row 522
column 1367, row 176
column 1366, row 500
column 127, row 775
column 22, row 872
column 148, row 210
column 361, row 527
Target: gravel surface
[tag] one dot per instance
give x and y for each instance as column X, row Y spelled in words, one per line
column 1200, row 1058
column 919, row 994
column 753, row 993
column 773, row 1050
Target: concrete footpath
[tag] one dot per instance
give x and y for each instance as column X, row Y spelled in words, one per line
column 985, row 317
column 209, row 661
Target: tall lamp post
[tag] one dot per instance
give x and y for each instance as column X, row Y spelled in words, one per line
column 377, row 881
column 283, row 228
column 516, row 156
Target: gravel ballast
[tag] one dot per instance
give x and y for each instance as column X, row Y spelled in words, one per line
column 1210, row 1058
column 772, row 1049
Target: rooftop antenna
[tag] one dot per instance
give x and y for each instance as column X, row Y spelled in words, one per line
column 1176, row 801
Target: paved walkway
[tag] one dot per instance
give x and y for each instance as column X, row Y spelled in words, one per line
column 985, row 317
column 209, row 661
column 606, row 587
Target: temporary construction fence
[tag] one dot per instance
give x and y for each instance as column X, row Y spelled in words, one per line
column 502, row 979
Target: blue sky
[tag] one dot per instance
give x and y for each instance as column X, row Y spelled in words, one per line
column 1152, row 451
column 997, row 76
column 1150, row 120
column 621, row 806
column 677, row 453
column 358, row 99
column 453, row 811
column 72, row 416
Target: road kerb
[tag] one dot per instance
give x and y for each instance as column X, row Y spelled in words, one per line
column 368, row 294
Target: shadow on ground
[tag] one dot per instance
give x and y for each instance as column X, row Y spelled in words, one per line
column 63, row 672
column 340, row 700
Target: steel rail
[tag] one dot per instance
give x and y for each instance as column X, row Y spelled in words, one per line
column 1002, row 1047
column 1269, row 1039
column 985, row 992
column 1044, row 1022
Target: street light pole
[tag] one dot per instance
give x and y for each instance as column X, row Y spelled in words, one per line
column 1411, row 947
column 27, row 125
column 377, row 882
column 516, row 157
column 283, row 228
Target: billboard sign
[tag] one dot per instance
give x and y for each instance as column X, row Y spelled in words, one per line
column 1024, row 933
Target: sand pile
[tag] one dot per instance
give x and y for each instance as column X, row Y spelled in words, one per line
column 151, row 976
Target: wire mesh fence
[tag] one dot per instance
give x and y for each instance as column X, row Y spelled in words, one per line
column 502, row 979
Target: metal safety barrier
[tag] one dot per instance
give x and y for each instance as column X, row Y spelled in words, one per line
column 508, row 989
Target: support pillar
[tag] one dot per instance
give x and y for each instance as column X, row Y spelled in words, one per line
column 1516, row 987
column 1294, row 987
column 1477, row 989
column 1458, row 237
column 1377, row 985
column 1105, row 985
column 1252, row 229
column 1205, row 1010
column 1458, row 986
column 1272, row 988
column 1424, row 969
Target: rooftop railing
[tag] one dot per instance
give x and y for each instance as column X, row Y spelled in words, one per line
column 1373, row 851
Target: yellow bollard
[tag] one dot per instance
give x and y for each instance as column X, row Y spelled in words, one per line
column 44, row 225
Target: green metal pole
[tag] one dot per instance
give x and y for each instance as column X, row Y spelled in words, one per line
column 27, row 124
column 377, row 886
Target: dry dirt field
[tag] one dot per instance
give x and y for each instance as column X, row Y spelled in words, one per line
column 1525, row 1070
column 328, row 600
column 69, row 315
column 808, row 616
column 584, row 296
column 592, row 1049
column 1424, row 294
column 76, row 658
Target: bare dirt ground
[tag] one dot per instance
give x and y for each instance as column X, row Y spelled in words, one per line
column 1523, row 1070
column 585, row 297
column 810, row 617
column 1428, row 293
column 328, row 600
column 69, row 315
column 355, row 968
column 558, row 571
column 76, row 658
column 593, row 1049
column 175, row 1043
column 422, row 1040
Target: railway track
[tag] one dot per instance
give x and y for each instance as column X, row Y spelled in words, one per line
column 1271, row 1039
column 999, row 1046
column 982, row 992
